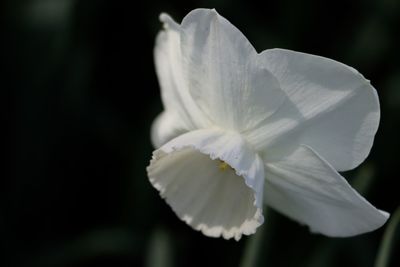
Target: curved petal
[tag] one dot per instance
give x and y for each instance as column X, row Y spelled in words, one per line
column 166, row 127
column 330, row 107
column 168, row 62
column 222, row 73
column 307, row 189
column 212, row 180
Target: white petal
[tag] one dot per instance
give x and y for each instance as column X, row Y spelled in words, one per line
column 330, row 107
column 168, row 62
column 166, row 127
column 307, row 189
column 212, row 180
column 222, row 73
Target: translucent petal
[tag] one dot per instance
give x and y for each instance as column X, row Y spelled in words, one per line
column 307, row 189
column 212, row 180
column 222, row 73
column 174, row 92
column 329, row 106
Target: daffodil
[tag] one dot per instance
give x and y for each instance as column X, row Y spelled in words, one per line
column 243, row 129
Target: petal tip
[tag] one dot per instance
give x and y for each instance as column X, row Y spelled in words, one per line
column 201, row 13
column 164, row 17
column 385, row 214
column 168, row 21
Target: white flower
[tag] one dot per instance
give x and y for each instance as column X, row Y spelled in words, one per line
column 242, row 129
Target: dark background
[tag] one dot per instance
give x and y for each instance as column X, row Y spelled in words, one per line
column 85, row 90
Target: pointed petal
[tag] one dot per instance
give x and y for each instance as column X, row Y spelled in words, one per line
column 330, row 107
column 168, row 62
column 222, row 74
column 212, row 180
column 307, row 189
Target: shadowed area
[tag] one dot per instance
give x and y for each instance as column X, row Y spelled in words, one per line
column 207, row 194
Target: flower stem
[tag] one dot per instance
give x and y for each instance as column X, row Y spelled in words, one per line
column 389, row 238
column 252, row 252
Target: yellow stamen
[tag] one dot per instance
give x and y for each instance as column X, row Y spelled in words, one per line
column 223, row 165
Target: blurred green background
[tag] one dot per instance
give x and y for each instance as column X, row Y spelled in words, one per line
column 86, row 93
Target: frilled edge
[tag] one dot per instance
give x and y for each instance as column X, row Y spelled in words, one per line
column 248, row 227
